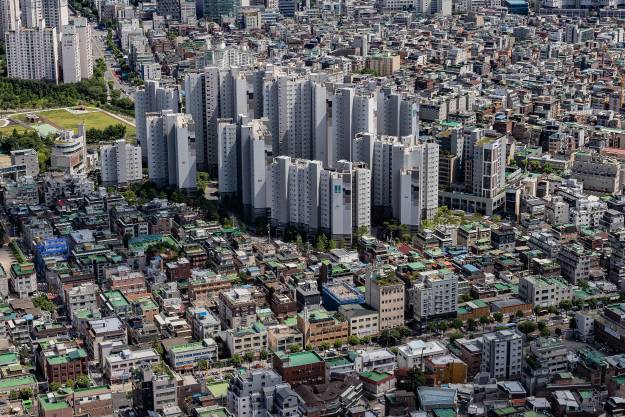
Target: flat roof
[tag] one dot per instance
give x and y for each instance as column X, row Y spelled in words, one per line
column 375, row 375
column 303, row 358
column 17, row 381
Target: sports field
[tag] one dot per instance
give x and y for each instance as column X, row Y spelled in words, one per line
column 67, row 119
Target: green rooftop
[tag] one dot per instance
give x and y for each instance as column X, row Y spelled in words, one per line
column 444, row 412
column 218, row 390
column 8, row 359
column 375, row 375
column 116, row 298
column 301, row 358
column 186, row 347
column 52, row 404
column 212, row 411
column 17, row 381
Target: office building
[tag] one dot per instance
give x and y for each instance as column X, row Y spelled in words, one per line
column 152, row 99
column 300, row 368
column 319, row 326
column 502, row 352
column 363, row 321
column 32, row 53
column 121, row 163
column 242, row 340
column 171, row 149
column 69, row 152
column 213, row 10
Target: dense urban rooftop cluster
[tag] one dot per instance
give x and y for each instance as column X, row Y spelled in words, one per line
column 320, row 209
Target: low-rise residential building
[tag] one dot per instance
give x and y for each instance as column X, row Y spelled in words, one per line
column 446, row 369
column 60, row 362
column 281, row 338
column 362, row 321
column 380, row 360
column 300, row 368
column 375, row 384
column 186, row 356
column 319, row 326
column 118, row 367
column 204, row 323
column 414, row 352
column 23, row 279
column 237, row 308
column 251, row 339
column 544, row 291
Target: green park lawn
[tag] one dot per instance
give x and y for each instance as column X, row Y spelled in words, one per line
column 94, row 119
column 63, row 119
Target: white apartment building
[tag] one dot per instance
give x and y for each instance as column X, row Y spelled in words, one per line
column 255, row 160
column 76, row 51
column 397, row 116
column 69, row 152
column 344, row 200
column 295, row 193
column 32, row 53
column 211, row 95
column 502, row 353
column 353, row 112
column 55, row 13
column 118, row 367
column 227, row 158
column 410, row 192
column 10, row 15
column 152, row 99
column 171, row 149
column 436, row 295
column 544, row 291
column 414, row 353
column 121, row 163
